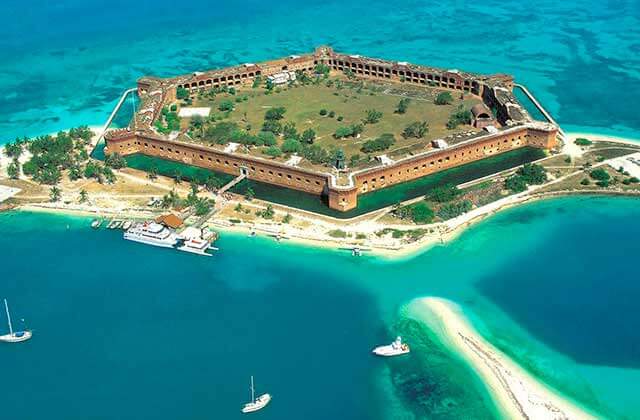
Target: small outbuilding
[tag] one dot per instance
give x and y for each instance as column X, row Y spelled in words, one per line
column 170, row 220
column 482, row 116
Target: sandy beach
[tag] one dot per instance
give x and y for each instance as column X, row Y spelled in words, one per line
column 516, row 392
column 308, row 229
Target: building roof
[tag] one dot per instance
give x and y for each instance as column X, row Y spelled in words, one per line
column 170, row 220
column 479, row 109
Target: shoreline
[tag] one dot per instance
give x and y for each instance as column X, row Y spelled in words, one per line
column 387, row 248
column 516, row 392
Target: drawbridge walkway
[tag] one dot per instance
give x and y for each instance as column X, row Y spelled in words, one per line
column 106, row 125
column 540, row 107
column 232, row 183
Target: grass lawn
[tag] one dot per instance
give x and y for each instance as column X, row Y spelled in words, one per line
column 351, row 102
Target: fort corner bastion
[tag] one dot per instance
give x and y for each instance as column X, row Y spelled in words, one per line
column 507, row 126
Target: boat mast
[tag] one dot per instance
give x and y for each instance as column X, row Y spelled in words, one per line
column 253, row 396
column 6, row 307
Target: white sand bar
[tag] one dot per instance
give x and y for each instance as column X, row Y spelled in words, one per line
column 190, row 112
column 7, row 192
column 515, row 391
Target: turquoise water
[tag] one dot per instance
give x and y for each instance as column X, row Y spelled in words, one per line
column 167, row 335
column 72, row 60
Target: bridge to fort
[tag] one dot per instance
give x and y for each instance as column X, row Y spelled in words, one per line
column 233, row 182
column 106, row 125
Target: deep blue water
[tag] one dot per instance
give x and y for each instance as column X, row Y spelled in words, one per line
column 66, row 63
column 589, row 312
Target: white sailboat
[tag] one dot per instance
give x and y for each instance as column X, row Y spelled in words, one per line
column 256, row 403
column 14, row 336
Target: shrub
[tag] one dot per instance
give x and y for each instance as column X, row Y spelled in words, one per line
column 460, row 116
column 308, row 136
column 421, row 213
column 275, row 113
column 323, row 112
column 340, row 118
column 403, row 105
column 443, row 98
column 533, row 173
column 182, row 93
column 342, row 132
column 600, row 174
column 266, row 138
column 337, row 233
column 416, row 129
column 381, row 143
column 580, row 141
column 226, row 105
column 444, row 193
column 585, row 181
column 451, row 210
column 174, row 108
column 372, row 116
column 273, row 151
column 515, row 183
column 273, row 126
column 331, row 114
column 291, row 146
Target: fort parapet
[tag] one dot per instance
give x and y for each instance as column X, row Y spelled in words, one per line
column 517, row 127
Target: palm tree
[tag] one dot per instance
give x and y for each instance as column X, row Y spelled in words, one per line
column 55, row 193
column 83, row 195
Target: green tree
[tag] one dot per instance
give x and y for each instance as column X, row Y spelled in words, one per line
column 421, row 213
column 226, row 105
column 416, row 129
column 54, row 194
column 403, row 105
column 289, row 131
column 600, row 174
column 381, row 143
column 273, row 126
column 460, row 116
column 275, row 114
column 443, row 193
column 372, row 116
column 287, row 218
column 342, row 132
column 580, row 141
column 273, row 151
column 322, row 69
column 291, row 146
column 13, row 169
column 443, row 98
column 250, row 194
column 115, row 161
column 83, row 195
column 308, row 136
column 182, row 93
column 515, row 183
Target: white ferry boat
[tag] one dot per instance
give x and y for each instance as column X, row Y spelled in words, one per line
column 256, row 403
column 152, row 233
column 394, row 349
column 195, row 246
column 14, row 336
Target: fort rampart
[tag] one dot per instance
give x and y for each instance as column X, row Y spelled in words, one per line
column 518, row 130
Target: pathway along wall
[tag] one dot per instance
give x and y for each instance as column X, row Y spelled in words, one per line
column 339, row 197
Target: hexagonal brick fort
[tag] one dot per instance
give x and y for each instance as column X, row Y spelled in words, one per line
column 516, row 126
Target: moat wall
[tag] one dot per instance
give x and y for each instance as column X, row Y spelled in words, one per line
column 342, row 198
